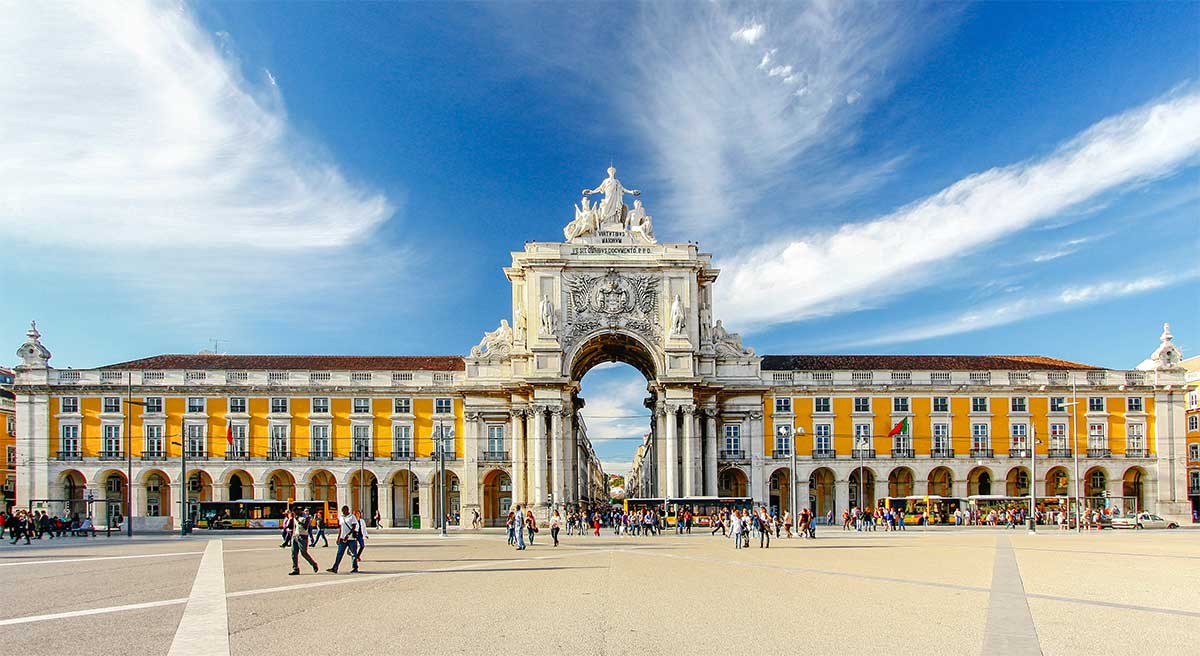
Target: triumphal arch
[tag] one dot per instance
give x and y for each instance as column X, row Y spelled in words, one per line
column 611, row 292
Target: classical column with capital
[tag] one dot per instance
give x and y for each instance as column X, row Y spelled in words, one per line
column 671, row 453
column 758, row 481
column 537, row 456
column 519, row 493
column 691, row 455
column 711, row 445
column 659, row 443
column 557, row 472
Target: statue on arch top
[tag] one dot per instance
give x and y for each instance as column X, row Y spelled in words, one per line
column 612, row 208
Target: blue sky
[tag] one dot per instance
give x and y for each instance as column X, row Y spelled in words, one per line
column 319, row 178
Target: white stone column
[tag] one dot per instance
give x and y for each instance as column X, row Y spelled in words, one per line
column 1170, row 449
column 178, row 491
column 425, row 494
column 841, row 498
column 671, row 453
column 99, row 503
column 263, row 492
column 517, row 431
column 691, row 457
column 556, row 455
column 711, row 446
column 802, row 493
column 537, row 458
column 33, row 446
column 570, row 478
column 660, row 445
column 468, row 487
column 758, row 480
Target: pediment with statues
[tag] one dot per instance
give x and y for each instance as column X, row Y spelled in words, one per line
column 610, row 221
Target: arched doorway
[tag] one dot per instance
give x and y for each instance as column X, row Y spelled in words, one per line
column 281, row 485
column 1131, row 486
column 1016, row 484
column 116, row 507
column 867, row 487
column 733, row 482
column 453, row 500
column 73, row 493
column 1058, row 482
column 405, row 498
column 200, row 488
column 979, row 481
column 322, row 486
column 157, row 486
column 364, row 493
column 1095, row 482
column 497, row 497
column 900, row 482
column 820, row 491
column 781, row 491
column 239, row 486
column 941, row 482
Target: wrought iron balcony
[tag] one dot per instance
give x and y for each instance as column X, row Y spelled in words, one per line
column 824, row 454
column 495, row 456
column 1137, row 453
column 112, row 455
column 69, row 455
column 360, row 455
column 982, row 453
column 1099, row 453
column 858, row 454
column 315, row 456
column 732, row 454
column 153, row 455
column 1060, row 453
column 197, row 455
column 240, row 456
column 450, row 455
column 781, row 454
column 279, row 455
column 1018, row 453
column 942, row 453
column 904, row 452
column 402, row 454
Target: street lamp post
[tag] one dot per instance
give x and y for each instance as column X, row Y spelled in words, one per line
column 441, row 505
column 183, row 482
column 862, row 444
column 129, row 453
column 1032, row 478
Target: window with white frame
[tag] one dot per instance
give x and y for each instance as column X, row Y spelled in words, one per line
column 402, row 405
column 443, row 438
column 362, row 441
column 1194, row 451
column 195, row 404
column 320, row 405
column 862, row 431
column 1193, row 399
column 279, row 405
column 1058, row 437
column 1020, row 437
column 1135, row 437
column 495, row 438
column 112, row 439
column 402, row 440
column 941, row 437
column 1018, row 404
column 69, row 442
column 1194, row 478
column 823, row 437
column 822, row 404
column 903, row 441
column 1193, row 423
column 941, row 404
column 783, row 404
column 237, row 404
column 1134, row 404
column 1097, row 436
column 733, row 437
column 239, row 447
column 279, row 440
column 154, row 404
column 1095, row 404
column 320, row 446
column 362, row 405
column 443, row 406
column 979, row 404
column 981, row 438
column 154, row 440
column 862, row 404
column 900, row 404
column 1058, row 404
column 195, row 439
column 783, row 439
column 70, row 404
column 112, row 404
column 10, row 425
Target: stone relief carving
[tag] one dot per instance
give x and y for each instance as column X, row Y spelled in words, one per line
column 729, row 344
column 495, row 345
column 613, row 301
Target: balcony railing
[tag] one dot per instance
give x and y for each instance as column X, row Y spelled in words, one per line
column 1099, row 453
column 1137, row 453
column 358, row 455
column 450, row 455
column 197, row 455
column 1018, row 453
column 982, row 453
column 402, row 454
column 941, row 453
column 279, row 455
column 69, row 455
column 860, row 453
column 1060, row 453
column 153, row 455
column 781, row 454
column 319, row 455
column 495, row 456
column 904, row 452
column 237, row 455
column 824, row 454
column 112, row 455
column 732, row 454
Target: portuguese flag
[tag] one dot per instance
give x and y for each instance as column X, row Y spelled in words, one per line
column 900, row 427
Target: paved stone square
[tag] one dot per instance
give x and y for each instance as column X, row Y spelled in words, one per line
column 940, row 591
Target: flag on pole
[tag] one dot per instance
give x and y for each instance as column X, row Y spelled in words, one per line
column 229, row 434
column 900, row 427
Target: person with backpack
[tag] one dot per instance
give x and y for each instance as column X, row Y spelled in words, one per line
column 300, row 526
column 348, row 529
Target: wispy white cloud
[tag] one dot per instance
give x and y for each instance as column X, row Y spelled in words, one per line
column 749, row 34
column 861, row 263
column 998, row 314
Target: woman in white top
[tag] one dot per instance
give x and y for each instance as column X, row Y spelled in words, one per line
column 735, row 529
column 555, row 524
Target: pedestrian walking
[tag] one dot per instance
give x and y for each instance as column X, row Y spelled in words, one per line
column 301, row 526
column 348, row 528
column 519, row 528
column 362, row 539
column 735, row 529
column 530, row 524
column 318, row 524
column 555, row 524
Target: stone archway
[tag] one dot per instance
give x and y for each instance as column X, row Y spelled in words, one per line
column 1133, row 484
column 900, row 482
column 733, row 482
column 821, row 491
column 322, row 486
column 364, row 493
column 281, row 485
column 238, row 485
column 404, row 491
column 1016, row 483
column 1095, row 482
column 497, row 497
column 1058, row 482
column 979, row 482
column 941, row 482
column 780, row 487
column 157, row 488
column 865, row 486
column 73, row 485
column 113, row 495
column 453, row 497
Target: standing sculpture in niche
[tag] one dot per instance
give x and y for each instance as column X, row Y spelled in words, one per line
column 549, row 318
column 518, row 326
column 677, row 323
column 612, row 207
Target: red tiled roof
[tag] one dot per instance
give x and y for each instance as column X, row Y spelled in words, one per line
column 304, row 362
column 916, row 362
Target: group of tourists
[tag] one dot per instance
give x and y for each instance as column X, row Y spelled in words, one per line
column 890, row 519
column 521, row 523
column 302, row 529
column 39, row 523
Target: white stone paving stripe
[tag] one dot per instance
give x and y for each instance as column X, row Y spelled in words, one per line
column 1009, row 630
column 28, row 563
column 89, row 611
column 204, row 628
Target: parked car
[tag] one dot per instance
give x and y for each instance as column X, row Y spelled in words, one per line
column 1143, row 520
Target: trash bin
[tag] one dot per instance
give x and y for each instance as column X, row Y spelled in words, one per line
column 416, row 521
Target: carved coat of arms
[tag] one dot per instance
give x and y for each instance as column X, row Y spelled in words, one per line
column 613, row 301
